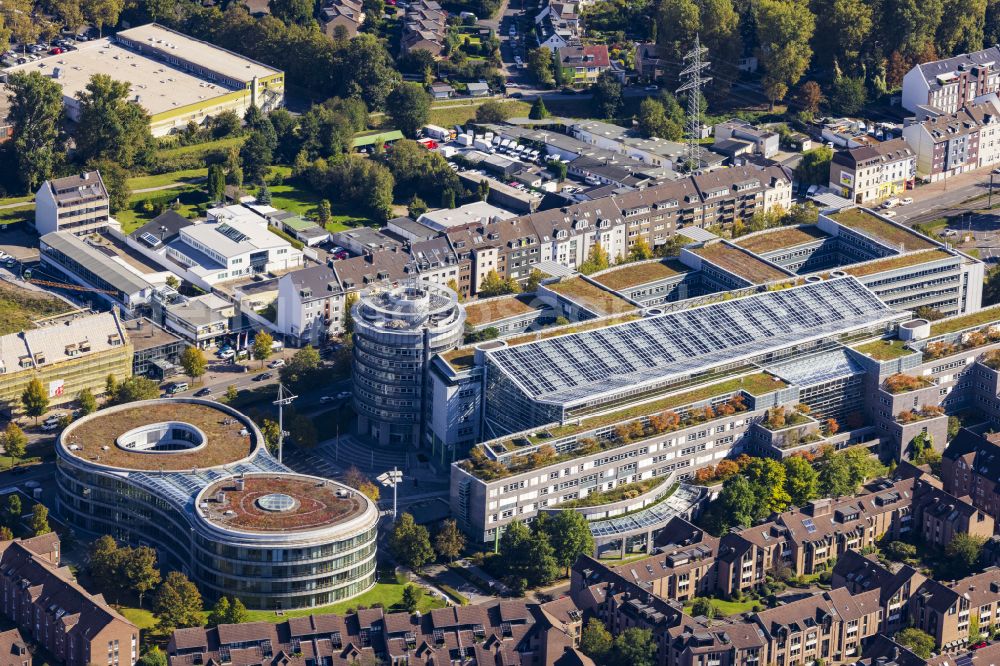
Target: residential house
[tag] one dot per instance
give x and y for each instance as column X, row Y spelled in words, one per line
column 78, row 204
column 970, row 467
column 872, row 173
column 949, row 144
column 765, row 142
column 425, row 27
column 948, row 85
column 651, row 61
column 346, row 13
column 583, row 64
column 939, row 516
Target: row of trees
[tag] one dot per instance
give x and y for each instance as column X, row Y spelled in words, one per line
column 632, row 647
column 411, row 544
column 535, row 556
column 10, row 522
column 764, row 486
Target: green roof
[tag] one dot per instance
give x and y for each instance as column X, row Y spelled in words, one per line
column 372, row 139
column 298, row 223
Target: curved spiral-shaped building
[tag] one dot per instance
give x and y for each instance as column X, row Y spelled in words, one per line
column 193, row 479
column 396, row 333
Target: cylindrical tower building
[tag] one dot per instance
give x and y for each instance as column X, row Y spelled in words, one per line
column 396, row 333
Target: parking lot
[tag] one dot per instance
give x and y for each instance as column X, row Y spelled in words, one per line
column 23, row 53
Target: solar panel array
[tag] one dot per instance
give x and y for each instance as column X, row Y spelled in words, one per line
column 577, row 367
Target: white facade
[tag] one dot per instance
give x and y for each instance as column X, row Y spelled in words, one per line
column 77, row 204
column 307, row 316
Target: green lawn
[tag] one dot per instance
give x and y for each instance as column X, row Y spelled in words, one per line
column 27, row 198
column 159, row 180
column 459, row 115
column 296, row 196
column 20, row 214
column 388, row 594
column 140, row 617
column 200, row 148
column 728, row 608
column 191, row 197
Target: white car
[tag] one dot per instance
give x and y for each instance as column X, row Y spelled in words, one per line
column 889, row 213
column 227, row 354
column 343, row 395
column 906, row 201
column 277, row 363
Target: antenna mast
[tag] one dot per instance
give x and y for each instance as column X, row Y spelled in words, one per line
column 693, row 78
column 284, row 398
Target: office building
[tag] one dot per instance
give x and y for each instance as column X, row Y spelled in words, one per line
column 67, row 355
column 194, row 479
column 396, row 332
column 77, row 204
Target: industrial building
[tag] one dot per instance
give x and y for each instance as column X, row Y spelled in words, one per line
column 194, row 479
column 396, row 332
column 175, row 78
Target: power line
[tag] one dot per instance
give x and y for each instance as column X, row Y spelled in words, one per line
column 695, row 80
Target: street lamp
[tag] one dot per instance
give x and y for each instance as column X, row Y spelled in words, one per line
column 391, row 479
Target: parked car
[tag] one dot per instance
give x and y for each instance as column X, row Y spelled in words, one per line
column 980, row 645
column 176, row 387
column 652, row 86
column 56, row 51
column 226, row 354
column 326, row 398
column 277, row 363
column 906, row 201
column 343, row 395
column 49, row 426
column 889, row 213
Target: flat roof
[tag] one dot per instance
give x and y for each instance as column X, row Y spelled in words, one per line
column 95, row 261
column 575, row 369
column 952, row 324
column 231, row 65
column 95, row 436
column 495, row 309
column 590, row 296
column 870, row 224
column 279, row 503
column 633, row 275
column 144, row 334
column 739, row 262
column 159, row 87
column 781, row 238
column 898, row 261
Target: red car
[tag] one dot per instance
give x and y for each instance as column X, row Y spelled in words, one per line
column 55, row 51
column 980, row 645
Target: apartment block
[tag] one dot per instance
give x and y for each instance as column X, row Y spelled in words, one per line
column 970, row 467
column 872, row 173
column 948, row 85
column 948, row 144
column 77, row 204
column 52, row 610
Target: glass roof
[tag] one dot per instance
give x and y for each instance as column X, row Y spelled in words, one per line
column 817, row 368
column 574, row 369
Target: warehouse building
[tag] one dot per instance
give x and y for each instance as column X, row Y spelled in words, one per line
column 177, row 79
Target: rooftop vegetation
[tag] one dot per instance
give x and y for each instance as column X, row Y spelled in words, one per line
column 953, row 324
column 591, row 296
column 924, row 412
column 782, row 237
column 872, row 225
column 623, row 492
column 940, row 348
column 900, row 383
column 495, row 309
column 19, row 307
column 632, row 275
column 898, row 261
column 884, row 350
column 740, row 263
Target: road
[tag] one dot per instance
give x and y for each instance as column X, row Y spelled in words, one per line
column 936, row 200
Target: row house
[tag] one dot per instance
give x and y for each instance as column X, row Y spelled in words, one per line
column 949, row 84
column 939, row 516
column 53, row 611
column 950, row 611
column 859, row 574
column 957, row 142
column 425, row 28
column 970, row 467
column 874, row 172
column 341, row 18
column 513, row 632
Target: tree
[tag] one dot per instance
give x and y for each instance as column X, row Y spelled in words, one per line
column 69, row 13
column 494, row 285
column 15, row 442
column 6, row 534
column 540, row 66
column 842, row 30
column 784, row 28
column 102, row 12
column 416, row 207
column 232, row 393
column 597, row 260
column 449, row 541
column 262, row 346
column 271, row 433
column 292, row 11
column 900, row 551
column 140, row 572
column 13, row 510
column 86, row 401
column 735, row 504
column 135, row 388
column 767, row 483
column 634, row 647
column 412, row 594
column 409, row 106
column 849, row 95
column 264, row 195
column 808, row 97
column 596, row 640
column 569, row 534
column 40, row 520
column 216, row 183
column 607, row 97
column 115, row 180
column 535, row 278
column 227, row 611
column 527, row 555
column 483, row 190
column 34, row 399
column 963, row 552
column 193, row 361
column 303, row 431
column 835, row 476
column 36, row 110
column 111, row 127
column 640, row 250
column 538, row 110
column 703, row 607
column 801, row 480
column 177, row 603
column 255, row 157
column 152, row 657
column 104, row 564
column 410, row 543
column 492, row 111
column 653, row 121
column 814, row 168
column 369, row 71
column 323, row 212
column 304, row 370
column 916, row 641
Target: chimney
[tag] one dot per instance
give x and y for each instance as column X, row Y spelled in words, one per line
column 85, row 175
